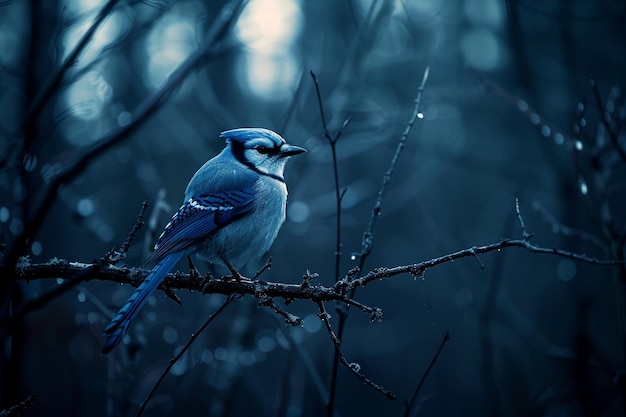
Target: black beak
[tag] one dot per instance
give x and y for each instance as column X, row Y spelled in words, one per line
column 290, row 150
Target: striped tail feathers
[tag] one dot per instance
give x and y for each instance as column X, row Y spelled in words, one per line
column 117, row 328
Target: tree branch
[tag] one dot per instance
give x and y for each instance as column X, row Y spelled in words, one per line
column 368, row 236
column 18, row 409
column 355, row 368
column 259, row 289
column 409, row 405
column 54, row 82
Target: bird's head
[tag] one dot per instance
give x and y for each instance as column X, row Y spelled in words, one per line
column 262, row 150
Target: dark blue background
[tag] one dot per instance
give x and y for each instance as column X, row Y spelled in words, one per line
column 552, row 343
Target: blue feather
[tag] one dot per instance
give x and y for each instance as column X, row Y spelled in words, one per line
column 198, row 218
column 118, row 327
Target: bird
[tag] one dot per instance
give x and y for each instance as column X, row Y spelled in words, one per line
column 233, row 208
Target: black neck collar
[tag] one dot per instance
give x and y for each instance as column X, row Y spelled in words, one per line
column 238, row 151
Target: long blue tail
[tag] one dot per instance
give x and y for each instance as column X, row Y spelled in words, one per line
column 118, row 327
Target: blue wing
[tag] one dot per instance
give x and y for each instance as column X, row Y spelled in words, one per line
column 197, row 219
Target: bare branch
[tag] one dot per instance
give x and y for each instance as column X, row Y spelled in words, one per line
column 115, row 256
column 183, row 281
column 47, row 92
column 154, row 228
column 482, row 265
column 355, row 368
column 366, row 245
column 180, row 354
column 321, row 106
column 558, row 227
column 606, row 120
column 419, row 268
column 409, row 406
column 289, row 318
column 525, row 235
column 267, row 266
column 18, row 409
column 338, row 193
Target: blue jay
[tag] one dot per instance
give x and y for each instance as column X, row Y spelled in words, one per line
column 233, row 208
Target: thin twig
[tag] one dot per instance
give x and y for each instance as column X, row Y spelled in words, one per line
column 482, row 265
column 139, row 223
column 53, row 83
column 560, row 228
column 18, row 409
column 116, row 256
column 355, row 368
column 290, row 319
column 310, row 366
column 267, row 266
column 525, row 108
column 338, row 198
column 419, row 268
column 154, row 226
column 139, row 30
column 409, row 406
column 321, row 106
column 485, row 315
column 606, row 122
column 375, row 313
column 366, row 244
column 525, row 235
column 180, row 354
column 332, row 141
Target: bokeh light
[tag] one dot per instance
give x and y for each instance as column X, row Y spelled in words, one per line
column 489, row 13
column 10, row 31
column 480, row 45
column 267, row 25
column 5, row 214
column 169, row 43
column 87, row 97
column 566, row 270
column 114, row 26
column 298, row 211
column 271, row 77
column 268, row 66
column 481, row 49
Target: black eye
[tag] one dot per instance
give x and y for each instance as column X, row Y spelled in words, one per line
column 263, row 150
